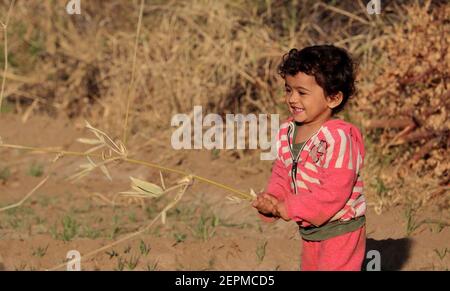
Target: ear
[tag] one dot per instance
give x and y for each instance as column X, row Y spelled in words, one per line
column 333, row 101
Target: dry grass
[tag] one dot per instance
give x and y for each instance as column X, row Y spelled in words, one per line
column 223, row 55
column 4, row 26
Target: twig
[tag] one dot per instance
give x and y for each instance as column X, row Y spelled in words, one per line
column 5, row 67
column 26, row 196
column 34, row 189
column 416, row 78
column 343, row 12
column 419, row 134
column 395, row 140
column 438, row 191
column 425, row 149
column 133, row 72
column 239, row 194
column 49, row 150
column 390, row 123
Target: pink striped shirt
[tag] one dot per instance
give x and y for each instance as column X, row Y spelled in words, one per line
column 323, row 183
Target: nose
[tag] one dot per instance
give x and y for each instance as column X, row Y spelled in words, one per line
column 292, row 98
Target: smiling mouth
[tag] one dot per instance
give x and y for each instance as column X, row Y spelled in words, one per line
column 297, row 110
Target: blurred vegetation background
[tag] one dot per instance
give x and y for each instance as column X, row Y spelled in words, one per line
column 223, row 55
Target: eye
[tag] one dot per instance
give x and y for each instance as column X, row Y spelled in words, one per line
column 301, row 93
column 287, row 90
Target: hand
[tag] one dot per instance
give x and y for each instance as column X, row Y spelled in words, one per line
column 265, row 203
column 280, row 211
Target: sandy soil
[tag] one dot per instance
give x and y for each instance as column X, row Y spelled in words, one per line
column 203, row 232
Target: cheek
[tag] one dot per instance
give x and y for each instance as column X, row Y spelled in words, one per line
column 307, row 101
column 315, row 100
column 286, row 98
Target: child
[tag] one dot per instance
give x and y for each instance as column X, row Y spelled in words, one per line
column 316, row 177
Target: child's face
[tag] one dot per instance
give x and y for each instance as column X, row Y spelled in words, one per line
column 306, row 99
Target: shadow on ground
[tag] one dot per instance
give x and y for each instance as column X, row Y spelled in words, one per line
column 393, row 254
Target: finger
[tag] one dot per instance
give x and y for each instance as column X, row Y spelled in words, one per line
column 267, row 198
column 264, row 202
column 270, row 207
column 271, row 198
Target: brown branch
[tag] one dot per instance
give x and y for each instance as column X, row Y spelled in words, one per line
column 398, row 139
column 419, row 134
column 425, row 149
column 439, row 191
column 416, row 78
column 446, row 95
column 401, row 122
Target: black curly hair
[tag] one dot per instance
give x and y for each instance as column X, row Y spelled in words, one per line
column 332, row 67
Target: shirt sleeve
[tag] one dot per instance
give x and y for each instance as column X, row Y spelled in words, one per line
column 278, row 185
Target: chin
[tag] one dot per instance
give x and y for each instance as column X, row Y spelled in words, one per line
column 299, row 118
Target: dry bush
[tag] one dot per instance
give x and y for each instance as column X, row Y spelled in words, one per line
column 405, row 110
column 411, row 94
